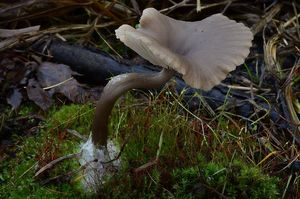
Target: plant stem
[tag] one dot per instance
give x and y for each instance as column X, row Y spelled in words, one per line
column 117, row 86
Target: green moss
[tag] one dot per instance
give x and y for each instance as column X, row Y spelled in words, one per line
column 52, row 142
column 167, row 154
column 76, row 117
column 217, row 178
column 195, row 167
column 27, row 109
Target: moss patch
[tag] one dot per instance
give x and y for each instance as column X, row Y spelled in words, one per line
column 168, row 153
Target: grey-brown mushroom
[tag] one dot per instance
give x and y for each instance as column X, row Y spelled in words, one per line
column 204, row 52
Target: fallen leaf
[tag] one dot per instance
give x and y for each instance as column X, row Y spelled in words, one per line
column 57, row 78
column 15, row 98
column 38, row 95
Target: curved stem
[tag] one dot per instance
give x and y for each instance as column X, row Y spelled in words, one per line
column 117, row 86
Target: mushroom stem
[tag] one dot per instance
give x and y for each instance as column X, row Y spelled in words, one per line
column 117, row 86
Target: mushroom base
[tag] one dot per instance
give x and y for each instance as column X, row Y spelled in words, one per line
column 97, row 164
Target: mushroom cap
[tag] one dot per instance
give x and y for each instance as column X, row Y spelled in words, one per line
column 204, row 52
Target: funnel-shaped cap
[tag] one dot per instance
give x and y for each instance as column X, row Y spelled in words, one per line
column 204, row 52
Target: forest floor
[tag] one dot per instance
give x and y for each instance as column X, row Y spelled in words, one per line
column 168, row 149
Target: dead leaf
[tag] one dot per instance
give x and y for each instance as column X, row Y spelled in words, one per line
column 15, row 98
column 38, row 95
column 57, row 78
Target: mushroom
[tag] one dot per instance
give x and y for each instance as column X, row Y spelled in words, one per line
column 203, row 52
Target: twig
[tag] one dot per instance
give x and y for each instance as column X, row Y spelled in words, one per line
column 198, row 7
column 175, row 6
column 297, row 21
column 54, row 162
column 227, row 6
column 7, row 33
column 77, row 134
column 68, row 174
column 266, row 19
column 286, row 24
column 286, row 187
column 217, row 4
column 244, row 88
column 145, row 166
column 104, row 40
column 58, row 84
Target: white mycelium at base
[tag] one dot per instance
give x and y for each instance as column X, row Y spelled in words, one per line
column 96, row 169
